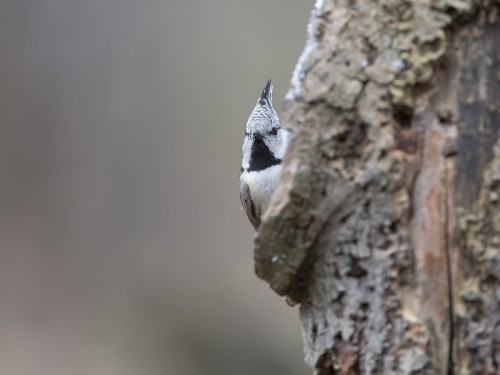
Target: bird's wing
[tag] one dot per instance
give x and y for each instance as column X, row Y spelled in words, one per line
column 248, row 205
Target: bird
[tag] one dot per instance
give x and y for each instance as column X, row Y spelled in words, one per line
column 264, row 148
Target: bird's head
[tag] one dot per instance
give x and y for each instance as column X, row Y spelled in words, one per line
column 263, row 127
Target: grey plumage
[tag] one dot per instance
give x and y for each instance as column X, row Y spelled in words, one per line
column 248, row 205
column 263, row 149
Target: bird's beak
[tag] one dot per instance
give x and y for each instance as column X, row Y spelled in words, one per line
column 258, row 136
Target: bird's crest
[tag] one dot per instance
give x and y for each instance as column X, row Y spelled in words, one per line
column 267, row 94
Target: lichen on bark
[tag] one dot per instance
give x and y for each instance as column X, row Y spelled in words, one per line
column 478, row 305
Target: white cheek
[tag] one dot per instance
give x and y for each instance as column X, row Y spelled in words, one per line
column 245, row 160
column 285, row 139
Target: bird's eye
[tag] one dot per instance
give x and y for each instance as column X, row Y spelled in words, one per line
column 274, row 130
column 247, row 134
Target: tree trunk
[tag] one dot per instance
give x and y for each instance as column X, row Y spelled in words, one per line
column 386, row 224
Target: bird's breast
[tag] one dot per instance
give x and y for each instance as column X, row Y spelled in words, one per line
column 262, row 185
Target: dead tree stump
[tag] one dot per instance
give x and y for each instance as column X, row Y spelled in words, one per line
column 386, row 224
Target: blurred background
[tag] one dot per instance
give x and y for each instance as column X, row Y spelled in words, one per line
column 123, row 249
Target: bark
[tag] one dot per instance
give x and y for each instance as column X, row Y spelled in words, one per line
column 385, row 226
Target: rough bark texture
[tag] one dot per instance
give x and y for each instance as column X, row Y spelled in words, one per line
column 386, row 224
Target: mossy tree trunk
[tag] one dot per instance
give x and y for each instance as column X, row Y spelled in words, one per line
column 386, row 224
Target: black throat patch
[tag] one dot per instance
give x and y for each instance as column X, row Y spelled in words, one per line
column 261, row 157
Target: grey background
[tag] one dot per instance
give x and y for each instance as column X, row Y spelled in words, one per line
column 123, row 249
